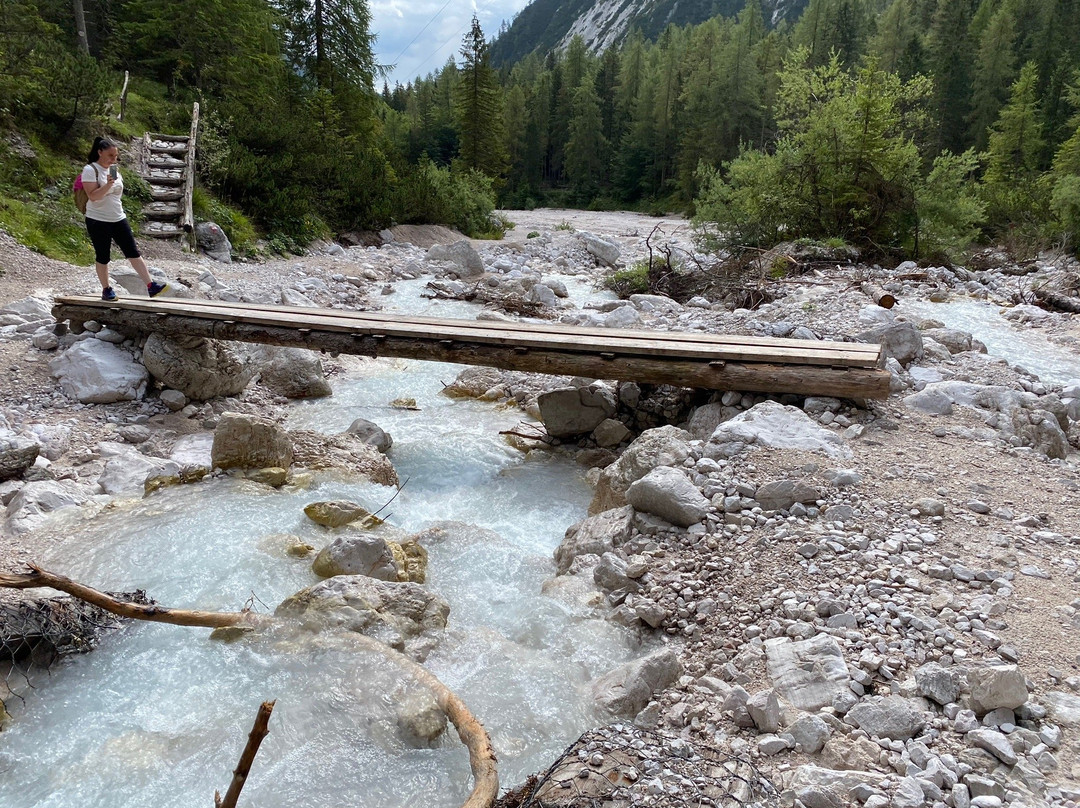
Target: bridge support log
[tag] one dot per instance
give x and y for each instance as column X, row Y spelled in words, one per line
column 365, row 340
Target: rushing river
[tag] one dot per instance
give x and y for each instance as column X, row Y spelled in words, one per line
column 1019, row 345
column 157, row 715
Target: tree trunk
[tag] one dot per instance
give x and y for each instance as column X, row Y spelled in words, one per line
column 80, row 26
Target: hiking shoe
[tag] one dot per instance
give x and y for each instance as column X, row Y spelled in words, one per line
column 108, row 294
column 154, row 289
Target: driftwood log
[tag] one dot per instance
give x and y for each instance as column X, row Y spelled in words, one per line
column 878, row 295
column 1057, row 302
column 240, row 774
column 481, row 755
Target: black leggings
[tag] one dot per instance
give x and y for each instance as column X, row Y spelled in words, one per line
column 102, row 234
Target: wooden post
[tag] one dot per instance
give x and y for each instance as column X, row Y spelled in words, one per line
column 188, row 222
column 123, row 97
column 259, row 731
column 80, row 26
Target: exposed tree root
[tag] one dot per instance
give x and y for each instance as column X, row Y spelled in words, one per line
column 481, row 755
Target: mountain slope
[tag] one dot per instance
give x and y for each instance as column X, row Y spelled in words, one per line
column 547, row 24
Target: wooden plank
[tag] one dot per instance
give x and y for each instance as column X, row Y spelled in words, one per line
column 766, row 378
column 187, row 221
column 628, row 343
column 744, row 348
column 639, row 344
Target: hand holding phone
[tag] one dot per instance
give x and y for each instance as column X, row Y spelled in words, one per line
column 112, row 172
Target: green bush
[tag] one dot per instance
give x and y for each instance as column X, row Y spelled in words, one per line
column 236, row 225
column 1065, row 204
column 461, row 198
column 633, row 280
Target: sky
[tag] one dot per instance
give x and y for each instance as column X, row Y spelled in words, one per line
column 397, row 23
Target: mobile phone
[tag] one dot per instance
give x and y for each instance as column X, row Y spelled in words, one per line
column 112, row 172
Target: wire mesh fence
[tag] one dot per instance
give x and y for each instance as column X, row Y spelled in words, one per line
column 616, row 766
column 37, row 630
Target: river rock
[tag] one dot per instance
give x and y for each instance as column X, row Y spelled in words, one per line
column 610, row 433
column 930, row 400
column 955, row 340
column 809, row 674
column 1043, row 433
column 391, row 612
column 782, row 494
column 668, row 493
column 36, row 501
column 810, row 733
column 604, row 251
column 840, row 782
column 901, row 340
column 420, row 720
column 127, row 469
column 937, row 683
column 213, row 242
column 996, row 686
column 705, row 419
column 571, row 411
column 595, row 535
column 1064, row 708
column 17, row 454
column 891, row 717
column 624, row 692
column 195, row 451
column 336, row 513
column 775, row 425
column 291, row 372
column 96, row 372
column 663, row 446
column 362, row 554
column 199, row 368
column 467, row 260
column 29, row 309
column 250, row 442
column 371, row 434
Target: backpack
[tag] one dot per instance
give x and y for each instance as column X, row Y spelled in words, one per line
column 79, row 192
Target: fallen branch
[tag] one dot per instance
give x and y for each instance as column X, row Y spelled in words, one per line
column 878, row 295
column 259, row 731
column 482, row 758
column 1055, row 302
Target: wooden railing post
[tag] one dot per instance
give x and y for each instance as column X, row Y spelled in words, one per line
column 188, row 222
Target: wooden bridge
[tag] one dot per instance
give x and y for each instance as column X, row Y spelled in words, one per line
column 686, row 359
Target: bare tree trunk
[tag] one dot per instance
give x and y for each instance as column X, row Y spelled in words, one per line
column 80, row 26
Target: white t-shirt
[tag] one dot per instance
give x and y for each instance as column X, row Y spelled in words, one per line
column 108, row 208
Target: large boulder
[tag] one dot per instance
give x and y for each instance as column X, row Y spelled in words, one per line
column 595, row 535
column 808, row 673
column 663, row 446
column 668, row 493
column 605, row 252
column 250, row 442
column 374, row 556
column 391, row 612
column 98, row 372
column 571, row 411
column 467, row 260
column 199, row 368
column 213, row 241
column 996, row 686
column 892, row 717
column 371, row 434
column 901, row 340
column 36, row 501
column 17, row 454
column 291, row 372
column 782, row 494
column 338, row 513
column 624, row 692
column 127, row 470
column 774, row 425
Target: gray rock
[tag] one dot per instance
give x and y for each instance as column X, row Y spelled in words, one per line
column 809, row 674
column 610, row 574
column 625, row 691
column 595, row 535
column 36, row 501
column 199, row 368
column 937, row 683
column 127, row 469
column 392, row 612
column 930, row 400
column 663, row 446
column 96, row 372
column 17, row 454
column 1064, row 708
column 955, row 340
column 573, row 411
column 291, row 372
column 891, row 717
column 622, row 317
column 467, row 260
column 810, row 733
column 901, row 340
column 774, row 425
column 996, row 686
column 361, row 554
column 250, row 442
column 782, row 494
column 668, row 493
column 995, row 743
column 610, row 433
column 213, row 241
column 542, row 294
column 772, row 745
column 908, row 794
column 45, row 339
column 930, row 507
column 371, row 434
column 173, row 399
column 764, row 710
column 604, row 251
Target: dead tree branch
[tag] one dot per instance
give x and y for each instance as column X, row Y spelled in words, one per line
column 259, row 731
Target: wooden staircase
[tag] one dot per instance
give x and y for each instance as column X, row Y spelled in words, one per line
column 169, row 168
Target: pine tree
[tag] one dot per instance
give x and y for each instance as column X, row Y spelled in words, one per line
column 950, row 64
column 587, row 149
column 894, row 32
column 331, row 41
column 994, row 72
column 479, row 107
column 1065, row 176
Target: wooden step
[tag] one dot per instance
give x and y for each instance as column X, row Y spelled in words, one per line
column 174, row 149
column 163, row 210
column 161, row 230
column 164, row 176
column 166, row 193
column 165, row 161
column 157, row 136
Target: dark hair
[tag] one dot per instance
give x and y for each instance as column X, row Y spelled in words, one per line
column 100, row 144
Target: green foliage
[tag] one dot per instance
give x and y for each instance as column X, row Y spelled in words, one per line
column 950, row 209
column 478, row 107
column 632, row 280
column 460, row 197
column 236, row 225
column 48, row 225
